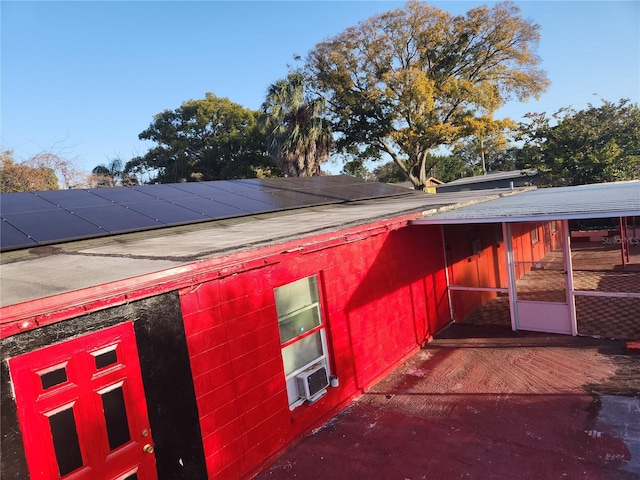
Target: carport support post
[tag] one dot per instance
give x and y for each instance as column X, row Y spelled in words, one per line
column 511, row 274
column 568, row 272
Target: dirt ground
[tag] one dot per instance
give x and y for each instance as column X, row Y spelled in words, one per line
column 486, row 403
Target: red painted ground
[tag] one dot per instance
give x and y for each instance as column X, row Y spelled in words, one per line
column 494, row 405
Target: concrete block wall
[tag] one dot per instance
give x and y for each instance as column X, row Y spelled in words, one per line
column 383, row 294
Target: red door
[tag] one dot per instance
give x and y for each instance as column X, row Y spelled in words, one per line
column 82, row 409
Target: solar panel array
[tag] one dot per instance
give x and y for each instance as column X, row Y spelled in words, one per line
column 30, row 219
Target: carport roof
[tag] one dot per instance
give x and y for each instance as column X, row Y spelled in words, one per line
column 604, row 200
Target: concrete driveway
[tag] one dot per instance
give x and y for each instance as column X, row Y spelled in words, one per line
column 486, row 403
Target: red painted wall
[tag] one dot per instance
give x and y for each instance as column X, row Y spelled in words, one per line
column 383, row 295
column 383, row 291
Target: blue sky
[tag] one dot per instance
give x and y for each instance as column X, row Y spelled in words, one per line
column 84, row 78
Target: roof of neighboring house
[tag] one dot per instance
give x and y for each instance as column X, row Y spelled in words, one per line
column 493, row 176
column 604, row 200
column 42, row 271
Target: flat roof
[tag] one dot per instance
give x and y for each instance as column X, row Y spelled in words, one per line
column 43, row 271
column 48, row 217
column 603, row 200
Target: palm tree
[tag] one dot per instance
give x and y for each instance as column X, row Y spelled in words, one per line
column 109, row 175
column 299, row 140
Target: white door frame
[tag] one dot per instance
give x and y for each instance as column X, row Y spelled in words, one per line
column 535, row 315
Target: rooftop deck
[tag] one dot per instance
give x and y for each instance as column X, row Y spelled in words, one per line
column 486, row 403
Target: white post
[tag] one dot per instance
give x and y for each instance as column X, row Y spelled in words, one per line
column 511, row 275
column 568, row 268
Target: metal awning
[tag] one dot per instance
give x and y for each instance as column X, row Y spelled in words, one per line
column 604, row 200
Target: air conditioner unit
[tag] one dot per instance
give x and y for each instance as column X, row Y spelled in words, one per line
column 312, row 383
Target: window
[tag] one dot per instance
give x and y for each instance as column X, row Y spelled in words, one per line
column 534, row 236
column 302, row 332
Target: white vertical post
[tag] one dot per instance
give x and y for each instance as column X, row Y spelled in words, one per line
column 568, row 268
column 511, row 274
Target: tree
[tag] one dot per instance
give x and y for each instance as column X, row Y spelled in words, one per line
column 299, row 139
column 356, row 168
column 454, row 167
column 66, row 171
column 22, row 177
column 486, row 148
column 43, row 171
column 112, row 174
column 597, row 144
column 208, row 139
column 389, row 172
column 406, row 82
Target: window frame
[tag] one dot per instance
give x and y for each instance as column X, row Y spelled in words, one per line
column 322, row 359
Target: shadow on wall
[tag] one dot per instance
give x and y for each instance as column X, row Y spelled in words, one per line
column 400, row 301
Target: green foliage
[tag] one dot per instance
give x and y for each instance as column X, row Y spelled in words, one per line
column 208, row 139
column 406, row 82
column 390, row 172
column 447, row 169
column 356, row 168
column 453, row 167
column 597, row 144
column 485, row 149
column 112, row 174
column 299, row 139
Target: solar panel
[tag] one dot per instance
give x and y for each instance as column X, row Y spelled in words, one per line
column 166, row 213
column 237, row 188
column 63, row 215
column 304, row 199
column 248, row 199
column 279, row 201
column 53, row 225
column 196, row 188
column 209, row 208
column 24, row 202
column 71, row 199
column 11, row 237
column 232, row 191
column 249, row 205
column 164, row 191
column 121, row 194
column 357, row 191
column 117, row 218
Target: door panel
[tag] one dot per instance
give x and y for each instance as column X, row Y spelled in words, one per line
column 544, row 317
column 540, row 268
column 82, row 409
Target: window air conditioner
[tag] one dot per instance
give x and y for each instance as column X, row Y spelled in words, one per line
column 312, row 383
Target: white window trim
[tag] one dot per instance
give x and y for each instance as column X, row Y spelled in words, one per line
column 320, row 360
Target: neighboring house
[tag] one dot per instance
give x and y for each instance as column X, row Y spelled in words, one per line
column 196, row 330
column 430, row 184
column 516, row 178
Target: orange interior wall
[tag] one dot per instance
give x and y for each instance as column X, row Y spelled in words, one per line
column 383, row 295
column 484, row 268
column 488, row 266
